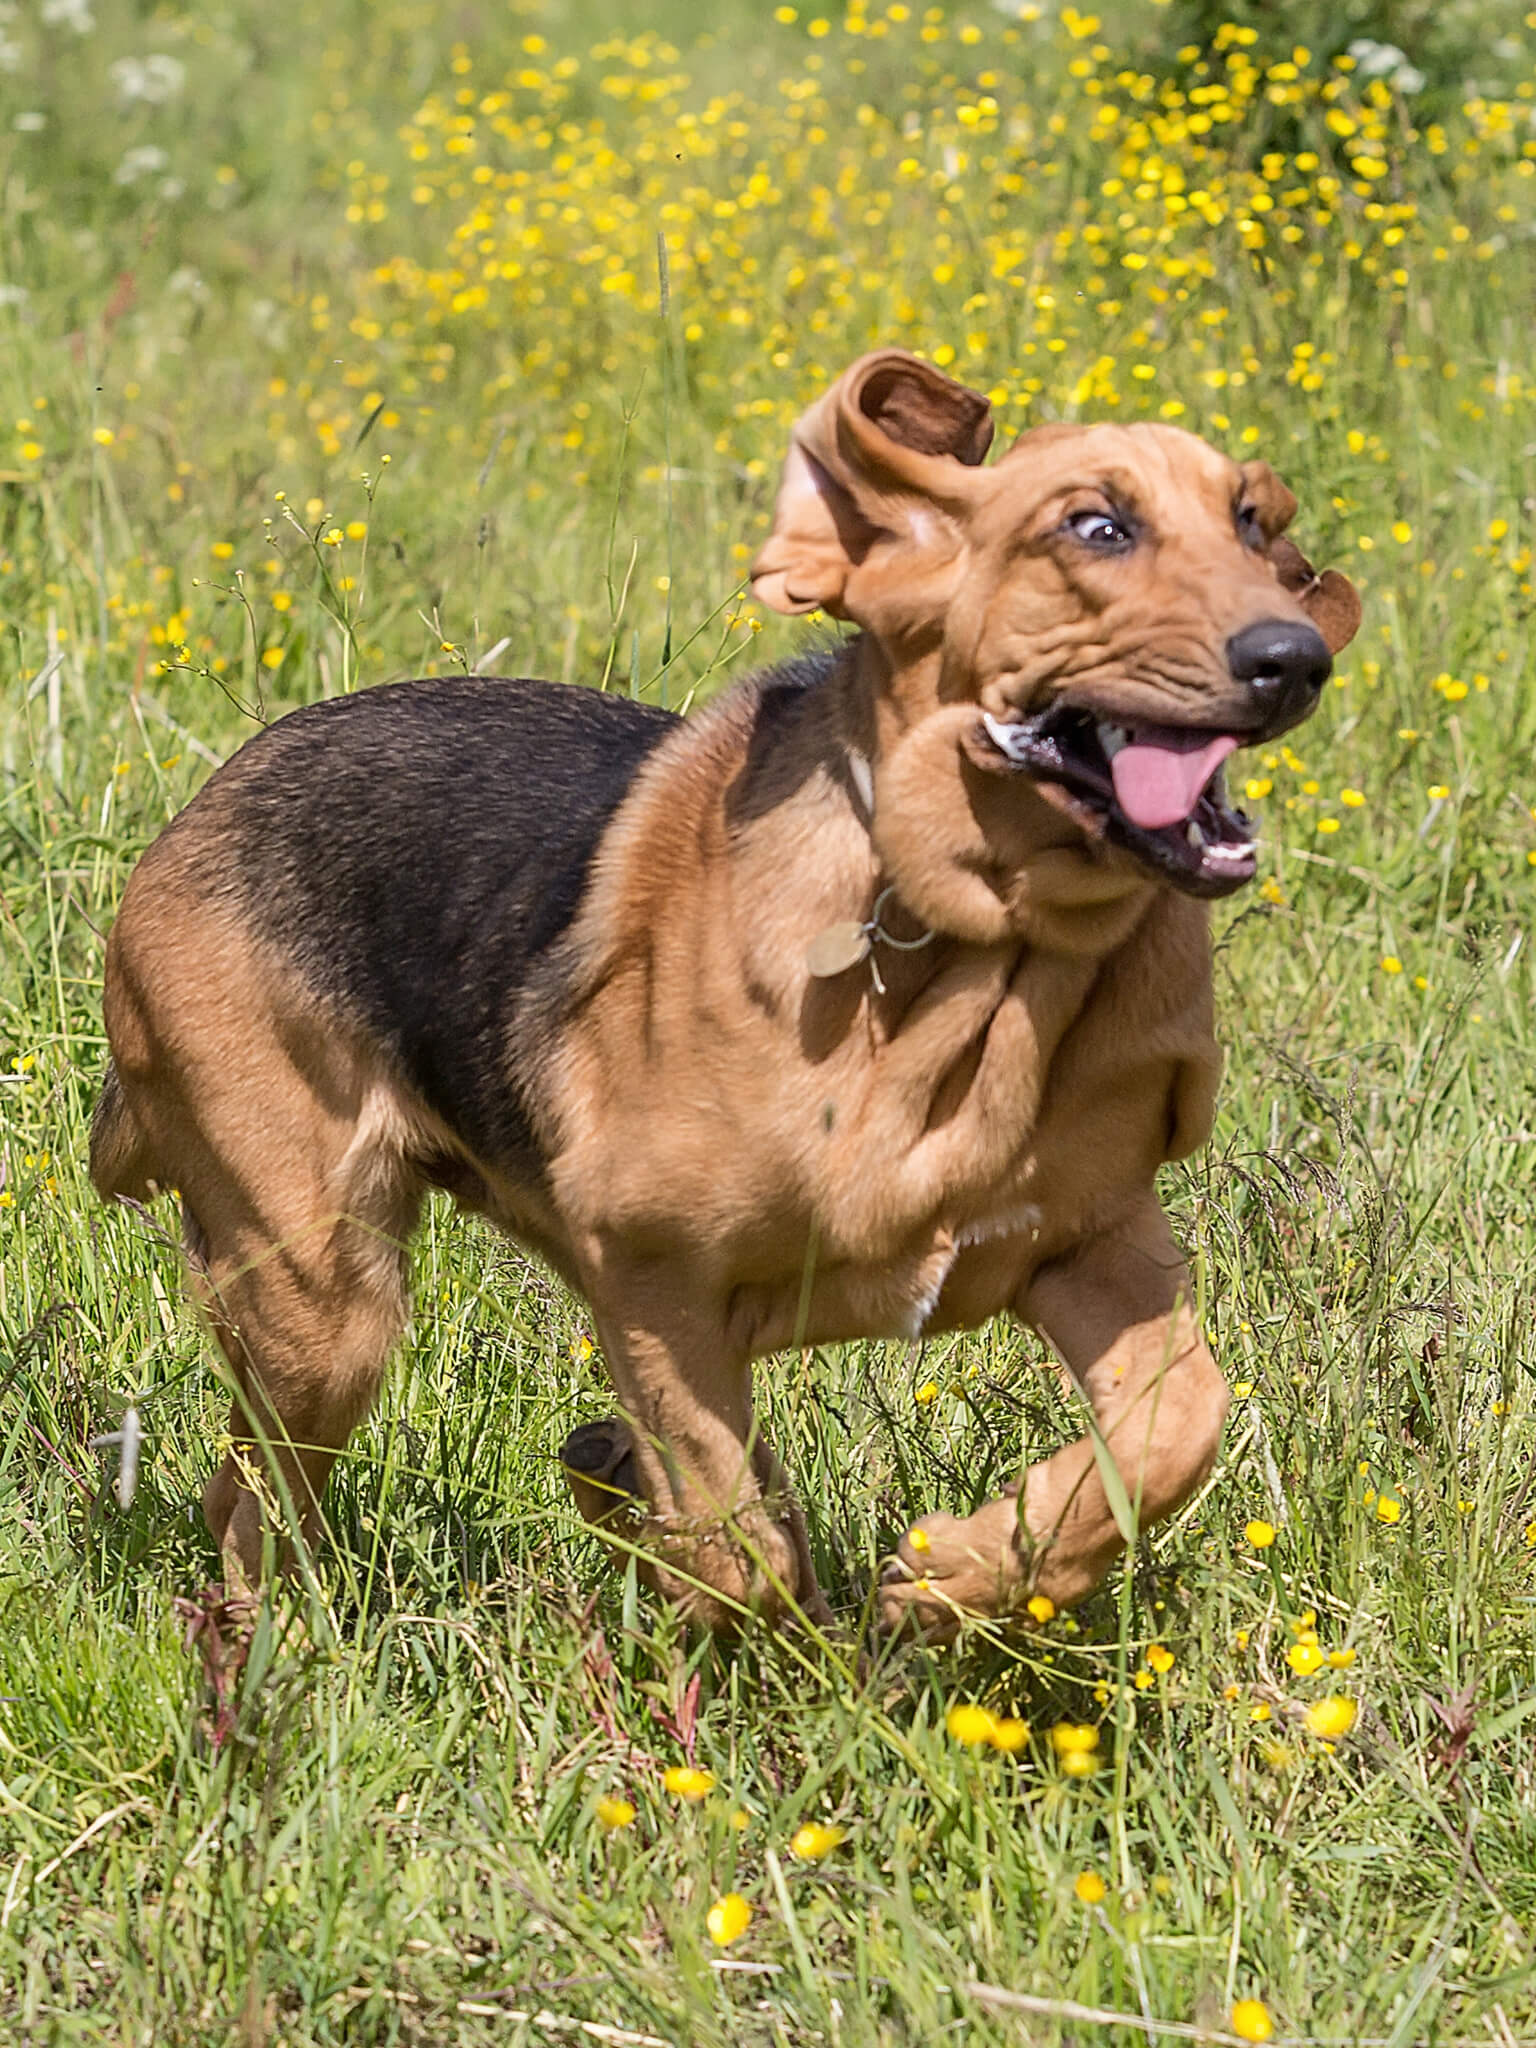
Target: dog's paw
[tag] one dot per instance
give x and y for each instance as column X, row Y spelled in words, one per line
column 599, row 1463
column 950, row 1569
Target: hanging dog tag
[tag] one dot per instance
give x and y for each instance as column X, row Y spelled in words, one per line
column 838, row 948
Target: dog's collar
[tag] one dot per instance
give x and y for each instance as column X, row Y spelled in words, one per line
column 843, row 945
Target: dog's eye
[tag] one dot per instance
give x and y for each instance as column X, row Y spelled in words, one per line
column 1101, row 530
column 1249, row 530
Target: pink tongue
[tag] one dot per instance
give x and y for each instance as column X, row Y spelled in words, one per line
column 1160, row 774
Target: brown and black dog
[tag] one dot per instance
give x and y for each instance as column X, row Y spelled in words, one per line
column 866, row 1002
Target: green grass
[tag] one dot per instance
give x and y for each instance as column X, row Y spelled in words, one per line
column 390, row 1833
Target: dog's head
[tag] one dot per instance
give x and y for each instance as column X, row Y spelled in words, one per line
column 1118, row 605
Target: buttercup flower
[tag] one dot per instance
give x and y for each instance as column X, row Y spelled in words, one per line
column 971, row 1725
column 686, row 1783
column 1332, row 1717
column 814, row 1841
column 728, row 1919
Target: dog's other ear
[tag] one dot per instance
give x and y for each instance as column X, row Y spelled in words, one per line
column 1269, row 497
column 1330, row 600
column 887, row 455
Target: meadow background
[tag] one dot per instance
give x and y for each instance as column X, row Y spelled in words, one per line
column 380, row 339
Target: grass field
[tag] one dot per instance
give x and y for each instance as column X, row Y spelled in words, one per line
column 408, row 337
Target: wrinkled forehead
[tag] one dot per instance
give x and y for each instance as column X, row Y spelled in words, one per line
column 1150, row 470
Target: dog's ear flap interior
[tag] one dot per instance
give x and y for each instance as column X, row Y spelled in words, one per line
column 1329, row 600
column 917, row 407
column 887, row 436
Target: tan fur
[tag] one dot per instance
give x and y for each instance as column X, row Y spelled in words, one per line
column 742, row 1156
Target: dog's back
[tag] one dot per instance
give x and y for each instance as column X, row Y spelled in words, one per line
column 413, row 853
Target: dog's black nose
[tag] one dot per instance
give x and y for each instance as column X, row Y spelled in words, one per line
column 1285, row 664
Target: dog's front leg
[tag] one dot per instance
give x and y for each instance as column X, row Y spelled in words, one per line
column 1117, row 1311
column 686, row 1475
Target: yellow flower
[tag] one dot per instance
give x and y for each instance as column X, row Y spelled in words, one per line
column 1160, row 1659
column 1332, row 1716
column 1341, row 1659
column 1009, row 1735
column 103, row 437
column 1041, row 1609
column 728, row 1919
column 814, row 1841
column 1251, row 2020
column 971, row 1725
column 928, row 1391
column 613, row 1814
column 1304, row 1658
column 1390, row 964
column 1090, row 1887
column 222, row 550
column 917, row 1539
column 1439, row 791
column 686, row 1783
column 1402, row 532
column 1075, row 1744
column 1260, row 1534
column 1387, row 1509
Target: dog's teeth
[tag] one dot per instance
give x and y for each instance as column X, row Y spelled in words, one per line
column 1195, row 836
column 1111, row 738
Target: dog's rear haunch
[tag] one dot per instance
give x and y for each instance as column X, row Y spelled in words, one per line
column 866, row 1002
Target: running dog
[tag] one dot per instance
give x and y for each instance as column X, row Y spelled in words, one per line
column 865, row 1002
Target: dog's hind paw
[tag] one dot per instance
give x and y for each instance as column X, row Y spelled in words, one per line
column 599, row 1463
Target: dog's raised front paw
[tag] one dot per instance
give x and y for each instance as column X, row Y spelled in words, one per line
column 949, row 1569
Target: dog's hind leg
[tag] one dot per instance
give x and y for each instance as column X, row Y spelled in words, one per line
column 286, row 1137
column 688, row 1475
column 307, row 1323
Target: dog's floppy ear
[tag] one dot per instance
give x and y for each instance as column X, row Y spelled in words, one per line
column 887, row 455
column 1330, row 600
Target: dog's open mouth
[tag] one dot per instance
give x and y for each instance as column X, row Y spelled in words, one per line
column 1157, row 790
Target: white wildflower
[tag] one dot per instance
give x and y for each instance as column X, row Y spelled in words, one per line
column 138, row 163
column 75, row 14
column 154, row 79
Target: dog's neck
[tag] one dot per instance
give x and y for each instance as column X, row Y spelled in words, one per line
column 973, row 851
